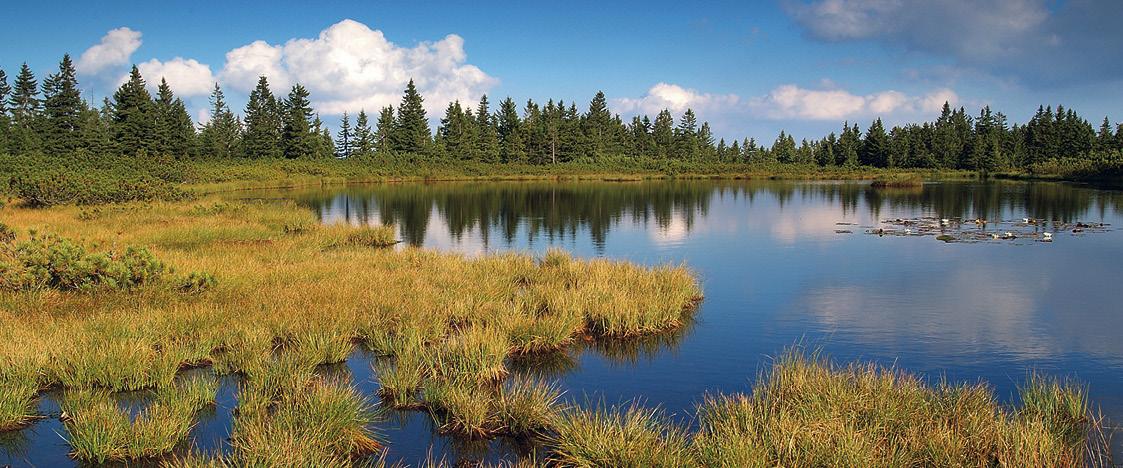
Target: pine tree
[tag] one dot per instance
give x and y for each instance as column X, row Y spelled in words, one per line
column 263, row 123
column 875, row 148
column 62, row 105
column 133, row 122
column 596, row 125
column 24, row 107
column 686, row 137
column 221, row 135
column 509, row 131
column 663, row 134
column 384, row 131
column 411, row 130
column 706, row 142
column 174, row 130
column 5, row 122
column 297, row 139
column 345, row 138
column 363, row 137
column 323, row 147
column 181, row 131
column 487, row 138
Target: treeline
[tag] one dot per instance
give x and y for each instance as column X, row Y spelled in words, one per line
column 53, row 126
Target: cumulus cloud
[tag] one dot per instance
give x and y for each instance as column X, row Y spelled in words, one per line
column 186, row 77
column 1021, row 38
column 351, row 67
column 789, row 102
column 674, row 98
column 113, row 52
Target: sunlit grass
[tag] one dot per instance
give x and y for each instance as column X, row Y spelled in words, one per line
column 100, row 430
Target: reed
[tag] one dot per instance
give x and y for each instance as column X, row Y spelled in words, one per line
column 809, row 412
column 99, row 430
column 324, row 423
column 627, row 436
column 527, row 407
column 17, row 397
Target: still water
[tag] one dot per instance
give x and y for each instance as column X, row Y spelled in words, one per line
column 782, row 263
column 792, row 262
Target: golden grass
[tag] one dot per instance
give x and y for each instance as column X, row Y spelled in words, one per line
column 291, row 294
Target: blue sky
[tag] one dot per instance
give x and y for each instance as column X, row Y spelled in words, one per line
column 749, row 68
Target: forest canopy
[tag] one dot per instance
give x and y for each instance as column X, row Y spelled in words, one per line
column 50, row 135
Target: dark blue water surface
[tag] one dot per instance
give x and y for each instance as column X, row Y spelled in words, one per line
column 782, row 263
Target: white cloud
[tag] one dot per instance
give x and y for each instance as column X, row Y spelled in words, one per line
column 114, row 51
column 186, row 77
column 788, row 107
column 351, row 67
column 676, row 99
column 790, row 102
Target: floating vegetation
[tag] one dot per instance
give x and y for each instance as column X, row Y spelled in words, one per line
column 974, row 230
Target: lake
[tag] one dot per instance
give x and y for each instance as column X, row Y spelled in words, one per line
column 859, row 272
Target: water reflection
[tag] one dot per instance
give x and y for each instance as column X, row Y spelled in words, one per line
column 785, row 261
column 481, row 216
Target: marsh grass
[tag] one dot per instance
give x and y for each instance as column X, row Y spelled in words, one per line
column 340, row 235
column 628, row 435
column 325, row 422
column 17, row 398
column 807, row 411
column 527, row 407
column 98, row 429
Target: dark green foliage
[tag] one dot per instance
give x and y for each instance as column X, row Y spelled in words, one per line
column 197, row 282
column 384, row 133
column 62, row 106
column 24, row 107
column 875, row 148
column 133, row 119
column 411, row 132
column 297, row 139
column 59, row 263
column 222, row 134
column 86, row 178
column 362, row 140
column 345, row 138
column 174, row 131
column 262, row 138
column 487, row 142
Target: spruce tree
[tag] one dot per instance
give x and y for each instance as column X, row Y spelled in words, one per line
column 345, row 138
column 364, row 137
column 262, row 137
column 175, row 132
column 411, row 129
column 686, row 137
column 487, row 142
column 663, row 135
column 62, row 105
column 508, row 128
column 163, row 107
column 875, row 148
column 24, row 107
column 221, row 135
column 297, row 139
column 4, row 120
column 596, row 125
column 384, row 131
column 133, row 122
